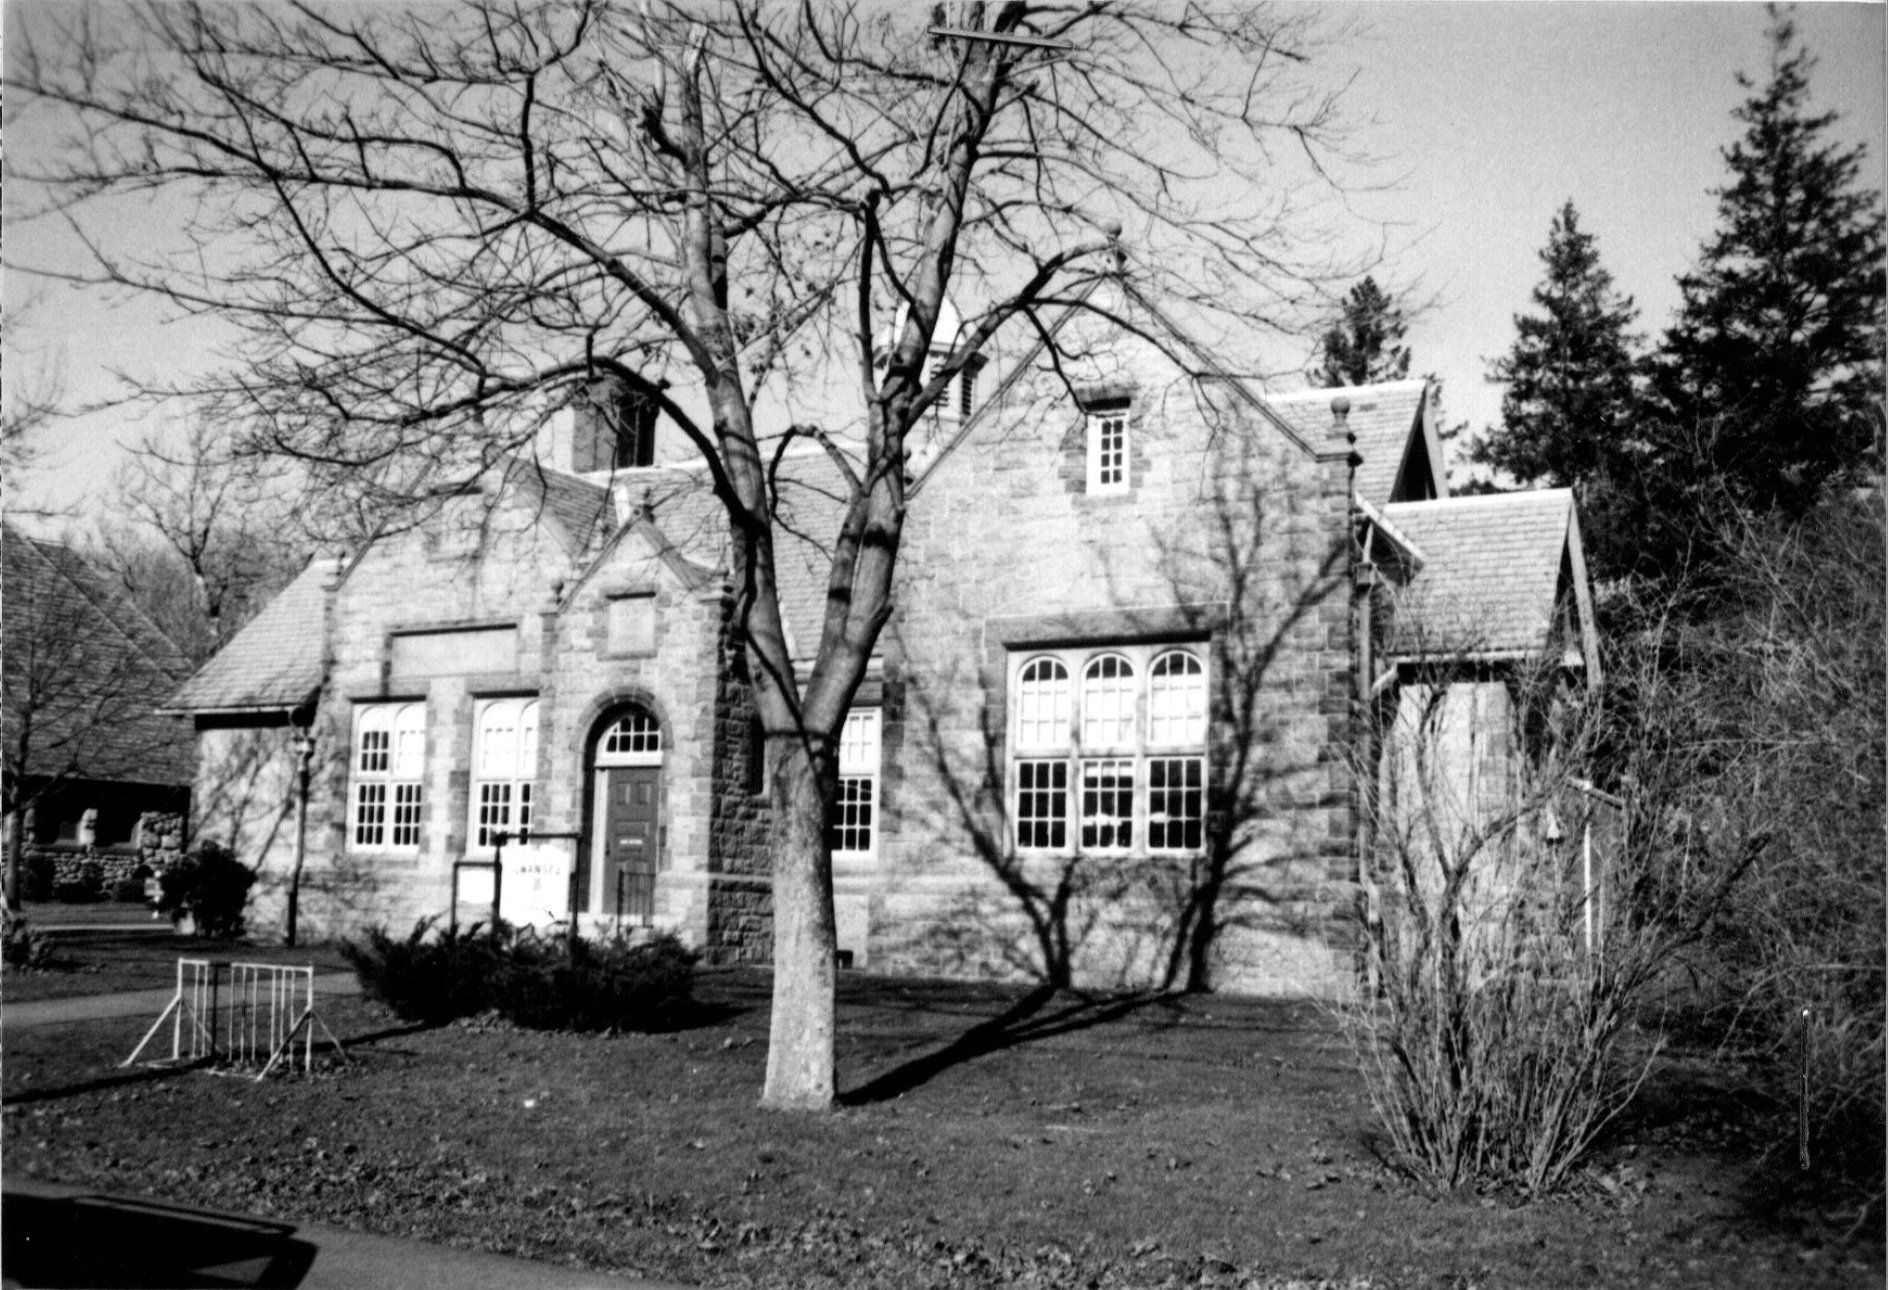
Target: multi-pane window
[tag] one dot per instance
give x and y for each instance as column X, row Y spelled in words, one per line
column 504, row 763
column 1116, row 760
column 1108, row 447
column 388, row 773
column 852, row 823
column 636, row 732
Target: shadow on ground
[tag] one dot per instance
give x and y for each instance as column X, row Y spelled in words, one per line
column 111, row 1242
column 1027, row 1020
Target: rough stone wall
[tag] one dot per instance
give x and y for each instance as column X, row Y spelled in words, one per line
column 1230, row 537
column 675, row 680
column 157, row 844
column 740, row 911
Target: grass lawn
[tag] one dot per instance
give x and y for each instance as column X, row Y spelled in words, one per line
column 106, row 946
column 991, row 1136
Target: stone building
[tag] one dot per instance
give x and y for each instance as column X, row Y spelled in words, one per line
column 1109, row 736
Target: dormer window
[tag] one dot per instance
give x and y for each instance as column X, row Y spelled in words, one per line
column 1107, row 446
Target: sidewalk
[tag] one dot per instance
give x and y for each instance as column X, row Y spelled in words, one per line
column 58, row 1235
column 133, row 1003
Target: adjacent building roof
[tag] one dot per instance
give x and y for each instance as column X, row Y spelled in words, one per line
column 276, row 661
column 1388, row 421
column 88, row 669
column 1498, row 573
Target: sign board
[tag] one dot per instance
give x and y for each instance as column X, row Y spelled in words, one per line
column 537, row 883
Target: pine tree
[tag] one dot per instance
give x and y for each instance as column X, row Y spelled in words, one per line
column 1365, row 344
column 1771, row 376
column 1570, row 401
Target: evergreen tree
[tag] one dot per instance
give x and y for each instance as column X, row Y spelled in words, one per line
column 1771, row 376
column 1570, row 400
column 1365, row 344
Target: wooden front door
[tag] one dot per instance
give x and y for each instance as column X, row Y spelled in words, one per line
column 631, row 833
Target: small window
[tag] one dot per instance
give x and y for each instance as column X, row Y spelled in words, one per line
column 851, row 828
column 1176, row 700
column 1108, row 805
column 1108, row 702
column 1107, row 447
column 504, row 766
column 1042, row 705
column 389, row 767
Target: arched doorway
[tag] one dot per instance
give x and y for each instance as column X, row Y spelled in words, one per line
column 627, row 830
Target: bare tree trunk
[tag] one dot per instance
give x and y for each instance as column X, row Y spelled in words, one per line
column 800, row 1042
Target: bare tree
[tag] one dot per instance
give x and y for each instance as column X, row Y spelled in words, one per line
column 81, row 677
column 202, row 542
column 429, row 222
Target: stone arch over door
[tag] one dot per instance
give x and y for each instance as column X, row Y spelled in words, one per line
column 625, row 746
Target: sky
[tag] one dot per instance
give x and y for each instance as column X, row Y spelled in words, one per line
column 1483, row 118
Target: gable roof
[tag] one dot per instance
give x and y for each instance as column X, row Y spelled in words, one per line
column 276, row 662
column 89, row 668
column 1497, row 570
column 677, row 510
column 578, row 509
column 1387, row 419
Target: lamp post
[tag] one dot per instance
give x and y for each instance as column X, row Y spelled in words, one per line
column 304, row 759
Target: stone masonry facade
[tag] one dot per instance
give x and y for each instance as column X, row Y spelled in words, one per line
column 1110, row 727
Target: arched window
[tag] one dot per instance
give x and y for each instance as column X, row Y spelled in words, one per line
column 633, row 733
column 1108, row 702
column 389, row 770
column 1176, row 700
column 1120, row 786
column 1042, row 704
column 504, row 764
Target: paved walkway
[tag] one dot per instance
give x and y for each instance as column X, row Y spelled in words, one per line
column 58, row 1235
column 134, row 1003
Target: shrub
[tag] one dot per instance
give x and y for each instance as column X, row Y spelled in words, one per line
column 431, row 976
column 210, row 885
column 128, row 891
column 545, row 983
column 557, row 984
column 38, row 878
column 25, row 947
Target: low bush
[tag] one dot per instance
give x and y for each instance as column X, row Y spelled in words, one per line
column 128, row 891
column 554, row 983
column 88, row 887
column 39, row 877
column 431, row 975
column 211, row 886
column 24, row 947
column 545, row 983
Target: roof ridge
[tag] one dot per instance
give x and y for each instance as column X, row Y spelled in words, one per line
column 1482, row 499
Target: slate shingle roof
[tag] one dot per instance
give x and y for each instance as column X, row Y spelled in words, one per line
column 89, row 670
column 1491, row 575
column 811, row 504
column 578, row 509
column 1382, row 416
column 273, row 662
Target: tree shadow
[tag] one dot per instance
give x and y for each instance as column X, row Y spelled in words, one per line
column 1260, row 582
column 1028, row 1020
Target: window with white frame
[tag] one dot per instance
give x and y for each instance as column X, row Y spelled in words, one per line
column 504, row 764
column 1108, row 446
column 389, row 769
column 1108, row 749
column 852, row 827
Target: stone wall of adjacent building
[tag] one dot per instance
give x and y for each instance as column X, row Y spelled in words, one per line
column 1232, row 540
